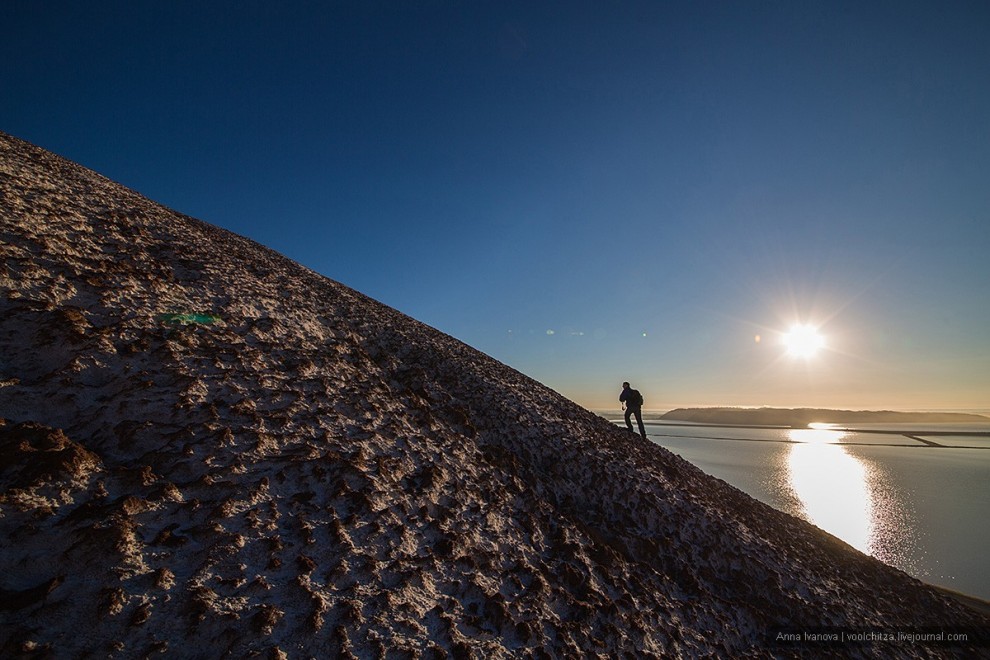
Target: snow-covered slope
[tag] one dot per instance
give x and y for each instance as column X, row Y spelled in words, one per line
column 315, row 474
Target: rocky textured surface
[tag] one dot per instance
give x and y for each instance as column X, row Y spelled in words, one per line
column 313, row 474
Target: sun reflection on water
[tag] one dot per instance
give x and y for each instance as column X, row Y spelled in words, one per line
column 832, row 486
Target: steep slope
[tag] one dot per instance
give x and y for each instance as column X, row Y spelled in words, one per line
column 303, row 471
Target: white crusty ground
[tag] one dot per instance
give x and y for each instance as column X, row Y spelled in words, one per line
column 317, row 475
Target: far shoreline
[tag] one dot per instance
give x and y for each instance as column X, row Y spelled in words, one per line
column 803, row 417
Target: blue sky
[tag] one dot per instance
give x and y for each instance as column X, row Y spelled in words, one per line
column 589, row 192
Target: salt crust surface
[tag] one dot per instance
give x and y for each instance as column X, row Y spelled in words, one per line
column 318, row 475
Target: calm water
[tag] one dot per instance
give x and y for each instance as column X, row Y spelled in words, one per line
column 917, row 506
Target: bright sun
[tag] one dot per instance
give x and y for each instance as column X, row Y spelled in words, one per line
column 803, row 341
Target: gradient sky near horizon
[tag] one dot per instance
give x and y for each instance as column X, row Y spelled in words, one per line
column 590, row 192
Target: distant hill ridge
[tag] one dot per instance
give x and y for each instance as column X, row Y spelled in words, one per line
column 208, row 450
column 805, row 416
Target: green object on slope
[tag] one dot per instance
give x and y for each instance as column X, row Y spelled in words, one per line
column 186, row 319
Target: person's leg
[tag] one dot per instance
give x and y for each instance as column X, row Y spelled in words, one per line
column 639, row 420
column 629, row 413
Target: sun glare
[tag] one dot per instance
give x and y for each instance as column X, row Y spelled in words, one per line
column 833, row 486
column 803, row 341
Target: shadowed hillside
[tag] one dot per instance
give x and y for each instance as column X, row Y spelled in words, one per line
column 294, row 470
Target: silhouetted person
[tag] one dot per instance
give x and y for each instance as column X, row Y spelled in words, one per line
column 632, row 400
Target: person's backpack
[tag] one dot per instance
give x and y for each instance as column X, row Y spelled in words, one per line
column 635, row 399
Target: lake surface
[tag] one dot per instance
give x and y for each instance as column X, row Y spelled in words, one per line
column 915, row 496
